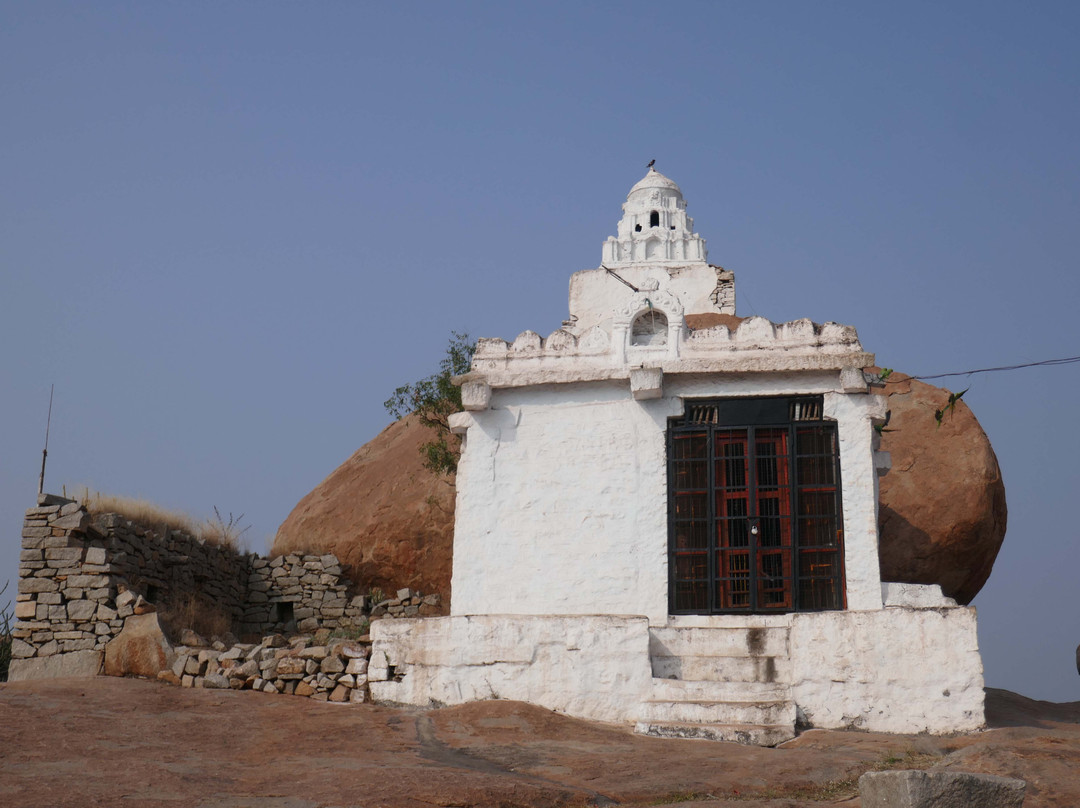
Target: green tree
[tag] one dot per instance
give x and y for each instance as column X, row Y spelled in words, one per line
column 434, row 400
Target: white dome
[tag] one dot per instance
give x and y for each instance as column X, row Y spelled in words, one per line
column 654, row 180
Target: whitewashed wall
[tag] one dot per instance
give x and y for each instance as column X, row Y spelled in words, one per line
column 898, row 670
column 589, row 667
column 562, row 495
column 890, row 670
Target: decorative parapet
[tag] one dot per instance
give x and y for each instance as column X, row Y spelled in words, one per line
column 756, row 345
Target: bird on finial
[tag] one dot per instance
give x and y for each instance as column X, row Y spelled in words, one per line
column 651, row 164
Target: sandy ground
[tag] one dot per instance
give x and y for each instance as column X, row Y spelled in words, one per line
column 116, row 742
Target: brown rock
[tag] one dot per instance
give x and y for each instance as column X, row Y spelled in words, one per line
column 943, row 510
column 942, row 505
column 140, row 649
column 382, row 513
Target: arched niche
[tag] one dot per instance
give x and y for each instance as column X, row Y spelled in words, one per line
column 650, row 328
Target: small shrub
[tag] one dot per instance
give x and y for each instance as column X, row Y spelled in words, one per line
column 351, row 633
column 5, row 636
column 376, row 595
column 225, row 533
column 434, row 400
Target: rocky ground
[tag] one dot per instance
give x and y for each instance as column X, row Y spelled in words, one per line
column 112, row 742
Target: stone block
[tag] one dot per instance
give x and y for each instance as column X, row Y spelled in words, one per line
column 216, row 681
column 85, row 644
column 80, row 520
column 88, row 581
column 646, row 383
column 331, row 665
column 30, row 585
column 357, row 666
column 26, row 610
column 35, row 533
column 80, row 610
column 21, row 650
column 48, row 648
column 95, row 555
column 81, row 664
column 63, row 564
column 41, row 511
column 475, row 396
column 939, row 789
column 168, row 676
column 31, row 555
column 358, row 695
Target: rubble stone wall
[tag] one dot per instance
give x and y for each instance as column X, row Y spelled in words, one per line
column 73, row 566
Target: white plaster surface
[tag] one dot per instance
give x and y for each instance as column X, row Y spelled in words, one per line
column 890, row 670
column 594, row 667
column 898, row 670
column 563, row 490
column 914, row 596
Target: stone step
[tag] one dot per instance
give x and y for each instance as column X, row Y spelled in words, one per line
column 683, row 690
column 727, row 642
column 751, row 734
column 723, row 669
column 765, row 713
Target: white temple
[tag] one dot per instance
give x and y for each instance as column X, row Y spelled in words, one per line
column 667, row 515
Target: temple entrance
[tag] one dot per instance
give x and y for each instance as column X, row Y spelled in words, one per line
column 755, row 523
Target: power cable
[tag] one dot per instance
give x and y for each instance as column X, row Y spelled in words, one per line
column 1068, row 360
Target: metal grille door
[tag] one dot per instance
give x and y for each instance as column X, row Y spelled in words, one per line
column 754, row 508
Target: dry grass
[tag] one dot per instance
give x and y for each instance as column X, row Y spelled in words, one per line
column 217, row 530
column 202, row 614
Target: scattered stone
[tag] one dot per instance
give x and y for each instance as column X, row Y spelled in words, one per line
column 187, row 636
column 169, row 676
column 216, row 681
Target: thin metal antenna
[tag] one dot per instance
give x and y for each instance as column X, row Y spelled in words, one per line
column 45, row 451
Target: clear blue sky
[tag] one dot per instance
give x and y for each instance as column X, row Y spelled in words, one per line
column 229, row 230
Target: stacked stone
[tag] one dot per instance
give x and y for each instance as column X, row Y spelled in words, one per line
column 66, row 584
column 299, row 593
column 335, row 670
column 408, row 603
column 166, row 562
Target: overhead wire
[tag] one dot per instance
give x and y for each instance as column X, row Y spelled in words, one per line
column 1068, row 360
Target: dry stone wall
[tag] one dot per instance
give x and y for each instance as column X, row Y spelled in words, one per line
column 81, row 576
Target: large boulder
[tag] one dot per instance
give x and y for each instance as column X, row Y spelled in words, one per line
column 383, row 514
column 140, row 649
column 942, row 505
